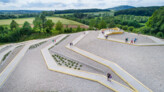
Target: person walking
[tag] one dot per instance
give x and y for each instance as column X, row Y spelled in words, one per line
column 103, row 32
column 131, row 41
column 71, row 44
column 135, row 40
column 126, row 39
column 53, row 41
column 106, row 36
column 109, row 77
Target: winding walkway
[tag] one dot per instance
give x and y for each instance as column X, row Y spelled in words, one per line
column 136, row 85
column 51, row 64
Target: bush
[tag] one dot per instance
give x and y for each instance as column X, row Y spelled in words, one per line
column 119, row 26
column 160, row 34
column 124, row 27
column 130, row 28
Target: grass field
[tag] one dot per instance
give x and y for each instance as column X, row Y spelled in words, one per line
column 21, row 21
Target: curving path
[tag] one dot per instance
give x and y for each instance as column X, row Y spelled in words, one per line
column 130, row 80
column 51, row 64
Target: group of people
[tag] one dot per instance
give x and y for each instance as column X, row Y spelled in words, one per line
column 132, row 40
column 54, row 40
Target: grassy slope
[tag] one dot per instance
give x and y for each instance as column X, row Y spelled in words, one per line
column 20, row 21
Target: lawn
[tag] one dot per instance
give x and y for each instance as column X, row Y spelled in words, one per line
column 20, row 21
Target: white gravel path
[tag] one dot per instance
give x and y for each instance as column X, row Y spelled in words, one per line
column 32, row 75
column 9, row 58
column 69, row 53
column 144, row 63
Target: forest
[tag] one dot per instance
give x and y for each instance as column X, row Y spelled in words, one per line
column 139, row 11
column 79, row 11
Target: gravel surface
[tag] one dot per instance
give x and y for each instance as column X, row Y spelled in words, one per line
column 5, row 48
column 145, row 63
column 32, row 75
column 140, row 38
column 69, row 53
column 9, row 58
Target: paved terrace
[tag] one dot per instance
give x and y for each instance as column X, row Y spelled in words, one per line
column 11, row 66
column 51, row 64
column 158, row 41
column 129, row 79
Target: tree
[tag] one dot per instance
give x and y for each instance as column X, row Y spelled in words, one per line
column 102, row 24
column 13, row 25
column 92, row 23
column 78, row 29
column 160, row 34
column 59, row 26
column 43, row 19
column 111, row 24
column 26, row 29
column 27, row 26
column 37, row 23
column 49, row 25
column 157, row 20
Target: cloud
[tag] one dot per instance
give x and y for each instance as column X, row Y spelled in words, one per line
column 5, row 1
column 72, row 4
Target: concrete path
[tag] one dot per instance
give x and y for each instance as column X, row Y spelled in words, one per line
column 129, row 79
column 6, row 51
column 51, row 64
column 11, row 66
column 3, row 46
column 158, row 41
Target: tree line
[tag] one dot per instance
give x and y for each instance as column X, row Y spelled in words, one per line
column 140, row 11
column 42, row 27
column 79, row 11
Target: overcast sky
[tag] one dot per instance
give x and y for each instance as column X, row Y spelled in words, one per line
column 72, row 4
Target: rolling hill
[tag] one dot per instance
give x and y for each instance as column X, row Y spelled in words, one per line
column 122, row 7
column 20, row 21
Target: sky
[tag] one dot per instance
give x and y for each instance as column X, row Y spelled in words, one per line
column 73, row 4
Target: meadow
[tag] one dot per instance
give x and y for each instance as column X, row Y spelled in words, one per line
column 21, row 21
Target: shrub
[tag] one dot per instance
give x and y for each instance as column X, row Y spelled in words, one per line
column 130, row 28
column 124, row 27
column 160, row 34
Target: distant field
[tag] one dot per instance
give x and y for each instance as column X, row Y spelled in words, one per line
column 21, row 21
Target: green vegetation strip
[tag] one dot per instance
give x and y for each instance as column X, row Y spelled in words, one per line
column 36, row 45
column 5, row 56
column 62, row 61
column 62, row 40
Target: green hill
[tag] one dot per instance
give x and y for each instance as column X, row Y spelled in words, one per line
column 122, row 7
